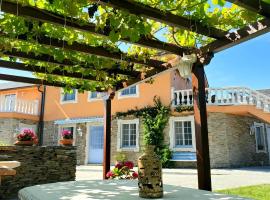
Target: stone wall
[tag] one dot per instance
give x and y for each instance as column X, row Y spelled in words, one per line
column 10, row 127
column 39, row 165
column 230, row 142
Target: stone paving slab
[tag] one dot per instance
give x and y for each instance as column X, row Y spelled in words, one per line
column 221, row 178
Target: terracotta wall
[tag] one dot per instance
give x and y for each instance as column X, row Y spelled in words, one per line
column 54, row 110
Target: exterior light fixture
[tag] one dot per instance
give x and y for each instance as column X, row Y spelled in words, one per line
column 185, row 63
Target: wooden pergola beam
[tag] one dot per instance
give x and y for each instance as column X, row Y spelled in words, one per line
column 49, row 59
column 258, row 6
column 92, row 50
column 231, row 39
column 168, row 18
column 46, row 16
column 44, row 70
column 21, row 79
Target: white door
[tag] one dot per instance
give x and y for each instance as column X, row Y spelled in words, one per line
column 268, row 140
column 95, row 154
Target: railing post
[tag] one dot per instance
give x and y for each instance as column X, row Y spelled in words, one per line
column 201, row 127
column 107, row 135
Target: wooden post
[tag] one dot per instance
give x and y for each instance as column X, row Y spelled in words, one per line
column 41, row 115
column 107, row 135
column 201, row 127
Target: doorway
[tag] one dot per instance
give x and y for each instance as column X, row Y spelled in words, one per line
column 95, row 138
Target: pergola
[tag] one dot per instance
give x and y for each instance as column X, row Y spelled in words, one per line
column 124, row 69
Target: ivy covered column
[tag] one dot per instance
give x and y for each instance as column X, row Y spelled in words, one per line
column 201, row 127
column 107, row 134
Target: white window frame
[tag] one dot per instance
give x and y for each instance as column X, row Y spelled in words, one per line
column 67, row 126
column 172, row 134
column 120, row 96
column 93, row 99
column 71, row 101
column 264, row 138
column 119, row 135
column 15, row 103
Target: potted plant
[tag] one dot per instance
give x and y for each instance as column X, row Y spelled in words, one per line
column 123, row 170
column 26, row 138
column 67, row 138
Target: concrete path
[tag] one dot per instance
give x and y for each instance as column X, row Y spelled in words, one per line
column 221, row 178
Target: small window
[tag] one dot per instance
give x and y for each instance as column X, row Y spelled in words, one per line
column 92, row 96
column 69, row 97
column 183, row 134
column 71, row 128
column 260, row 137
column 129, row 92
column 128, row 134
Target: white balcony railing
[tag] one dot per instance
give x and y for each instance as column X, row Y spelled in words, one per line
column 225, row 96
column 19, row 106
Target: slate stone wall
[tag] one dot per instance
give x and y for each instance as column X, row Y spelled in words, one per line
column 39, row 165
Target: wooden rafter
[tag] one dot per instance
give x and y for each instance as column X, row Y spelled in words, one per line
column 37, row 81
column 66, row 62
column 258, row 6
column 46, row 16
column 168, row 18
column 237, row 37
column 98, row 51
column 44, row 70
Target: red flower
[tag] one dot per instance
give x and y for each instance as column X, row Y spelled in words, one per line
column 129, row 164
column 135, row 175
column 110, row 174
column 119, row 165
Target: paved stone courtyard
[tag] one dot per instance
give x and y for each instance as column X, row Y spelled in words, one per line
column 221, row 178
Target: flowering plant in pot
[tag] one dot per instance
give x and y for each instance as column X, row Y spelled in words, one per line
column 123, row 170
column 67, row 138
column 26, row 138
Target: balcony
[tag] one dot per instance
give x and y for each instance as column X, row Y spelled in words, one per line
column 224, row 96
column 28, row 107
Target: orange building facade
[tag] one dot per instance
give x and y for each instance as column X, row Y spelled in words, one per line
column 238, row 120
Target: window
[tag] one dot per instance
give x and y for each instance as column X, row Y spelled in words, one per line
column 71, row 128
column 260, row 137
column 182, row 135
column 10, row 100
column 69, row 97
column 129, row 92
column 93, row 96
column 128, row 135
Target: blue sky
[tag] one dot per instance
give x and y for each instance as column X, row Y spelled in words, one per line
column 247, row 64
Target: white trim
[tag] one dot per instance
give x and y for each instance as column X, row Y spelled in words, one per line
column 264, row 138
column 120, row 96
column 172, row 134
column 67, row 125
column 120, row 122
column 71, row 101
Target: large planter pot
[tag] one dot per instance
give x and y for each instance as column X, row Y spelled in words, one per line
column 24, row 143
column 66, row 142
column 150, row 174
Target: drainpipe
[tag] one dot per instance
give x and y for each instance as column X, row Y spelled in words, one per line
column 41, row 115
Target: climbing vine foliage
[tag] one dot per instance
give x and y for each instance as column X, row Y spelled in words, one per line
column 119, row 25
column 155, row 119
